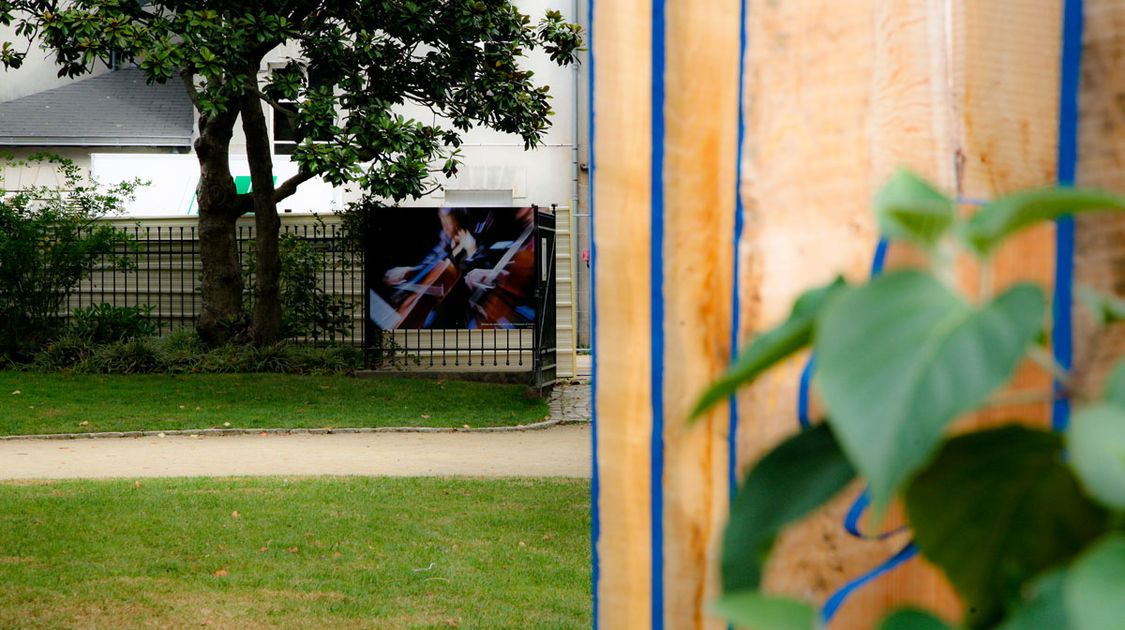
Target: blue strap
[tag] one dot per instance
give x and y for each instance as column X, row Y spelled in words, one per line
column 1062, row 330
column 803, row 393
column 855, row 513
column 833, row 604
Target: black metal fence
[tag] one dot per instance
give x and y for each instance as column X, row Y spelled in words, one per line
column 164, row 273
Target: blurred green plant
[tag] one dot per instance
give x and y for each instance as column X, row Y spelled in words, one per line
column 49, row 241
column 1029, row 538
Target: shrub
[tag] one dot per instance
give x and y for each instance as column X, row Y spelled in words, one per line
column 184, row 352
column 49, row 241
column 136, row 356
column 106, row 323
column 183, row 341
column 64, row 353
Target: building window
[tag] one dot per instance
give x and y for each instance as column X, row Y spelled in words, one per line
column 284, row 135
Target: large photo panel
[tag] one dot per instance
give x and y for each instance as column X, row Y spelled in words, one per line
column 451, row 268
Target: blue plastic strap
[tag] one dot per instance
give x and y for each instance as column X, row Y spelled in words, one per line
column 656, row 316
column 736, row 304
column 833, row 604
column 803, row 393
column 595, row 479
column 855, row 514
column 880, row 257
column 1062, row 331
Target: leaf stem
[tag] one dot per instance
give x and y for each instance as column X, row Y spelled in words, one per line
column 987, row 280
column 1047, row 361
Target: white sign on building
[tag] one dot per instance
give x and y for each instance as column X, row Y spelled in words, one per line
column 173, row 179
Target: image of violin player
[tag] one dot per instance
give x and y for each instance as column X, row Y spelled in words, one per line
column 476, row 270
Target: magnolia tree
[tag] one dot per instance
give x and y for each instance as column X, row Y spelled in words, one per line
column 459, row 59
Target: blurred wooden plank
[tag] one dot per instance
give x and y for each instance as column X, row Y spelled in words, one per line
column 622, row 403
column 700, row 145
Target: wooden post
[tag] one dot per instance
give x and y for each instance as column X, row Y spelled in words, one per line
column 836, row 94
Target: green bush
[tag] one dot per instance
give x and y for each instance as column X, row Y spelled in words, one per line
column 183, row 341
column 183, row 352
column 135, row 356
column 106, row 323
column 63, row 353
column 49, row 242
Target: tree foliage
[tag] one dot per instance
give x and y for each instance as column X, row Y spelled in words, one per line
column 351, row 71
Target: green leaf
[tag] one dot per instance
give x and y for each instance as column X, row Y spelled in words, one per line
column 1043, row 608
column 900, row 358
column 1094, row 591
column 912, row 620
column 765, row 612
column 994, row 509
column 1115, row 386
column 789, row 482
column 1096, row 440
column 1104, row 309
column 908, row 208
column 1007, row 215
column 771, row 347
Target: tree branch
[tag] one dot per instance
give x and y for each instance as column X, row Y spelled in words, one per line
column 188, row 77
column 281, row 109
column 436, row 187
column 289, row 186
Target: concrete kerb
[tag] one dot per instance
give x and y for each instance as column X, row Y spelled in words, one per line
column 536, row 426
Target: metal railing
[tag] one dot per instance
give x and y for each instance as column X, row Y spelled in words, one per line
column 164, row 273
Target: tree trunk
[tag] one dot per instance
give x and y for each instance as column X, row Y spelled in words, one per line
column 266, row 326
column 219, row 208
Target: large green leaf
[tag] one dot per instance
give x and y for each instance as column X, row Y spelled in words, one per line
column 1096, row 439
column 773, row 346
column 1115, row 386
column 1043, row 607
column 1007, row 215
column 994, row 509
column 912, row 620
column 757, row 611
column 1094, row 591
column 901, row 357
column 792, row 480
column 908, row 208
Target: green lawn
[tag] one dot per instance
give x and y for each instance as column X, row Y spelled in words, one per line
column 344, row 552
column 32, row 403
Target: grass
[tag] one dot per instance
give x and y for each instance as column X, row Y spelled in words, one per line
column 343, row 552
column 72, row 403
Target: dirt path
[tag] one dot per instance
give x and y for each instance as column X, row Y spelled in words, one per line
column 562, row 451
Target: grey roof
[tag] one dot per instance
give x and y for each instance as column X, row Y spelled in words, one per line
column 113, row 109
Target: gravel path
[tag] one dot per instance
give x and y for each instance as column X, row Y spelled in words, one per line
column 559, row 451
